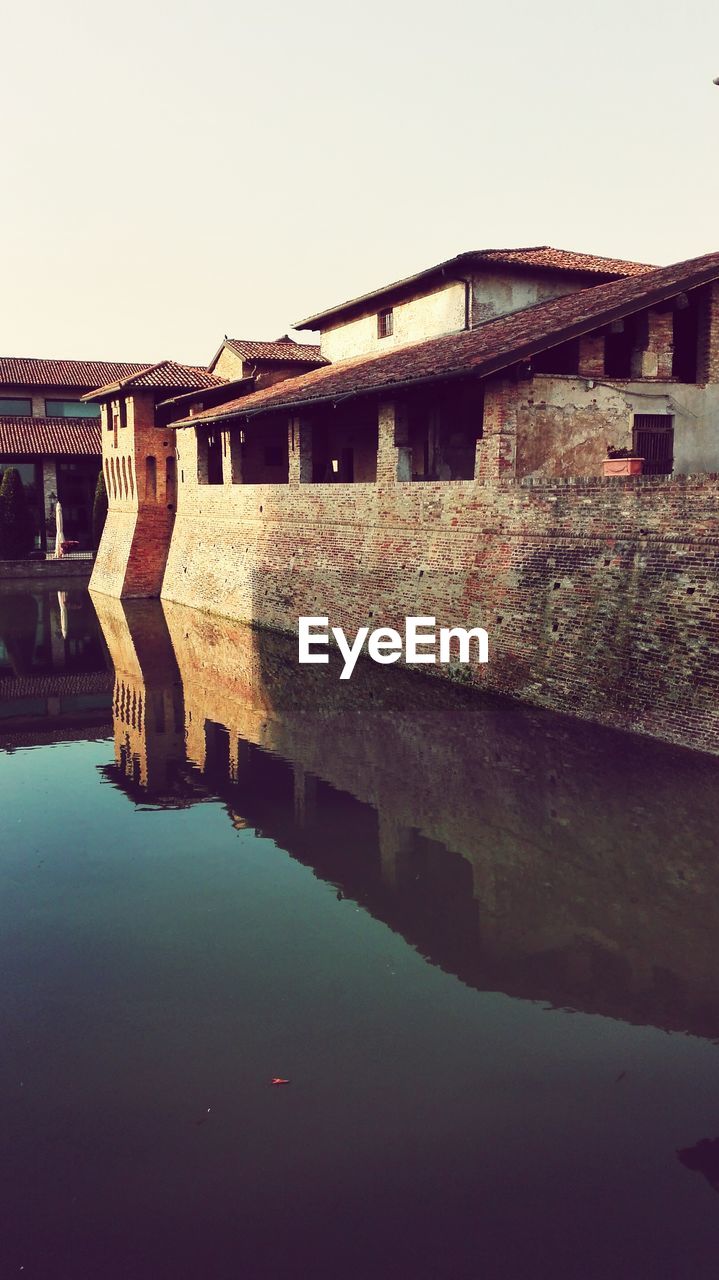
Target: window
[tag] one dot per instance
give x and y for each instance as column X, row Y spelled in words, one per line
column 385, row 323
column 653, row 440
column 71, row 409
column 151, row 478
column 274, row 455
column 10, row 406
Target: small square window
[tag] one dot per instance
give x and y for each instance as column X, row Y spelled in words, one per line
column 385, row 323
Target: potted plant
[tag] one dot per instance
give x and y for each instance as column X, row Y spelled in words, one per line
column 622, row 462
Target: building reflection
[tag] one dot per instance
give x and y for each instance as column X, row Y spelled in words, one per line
column 526, row 853
column 55, row 672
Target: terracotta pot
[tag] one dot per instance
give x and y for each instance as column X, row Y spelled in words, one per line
column 623, row 466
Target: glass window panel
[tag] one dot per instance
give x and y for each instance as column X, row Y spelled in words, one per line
column 17, row 406
column 71, row 409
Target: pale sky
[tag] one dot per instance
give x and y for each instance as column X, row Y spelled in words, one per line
column 174, row 172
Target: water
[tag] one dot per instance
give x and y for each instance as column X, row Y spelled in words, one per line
column 479, row 942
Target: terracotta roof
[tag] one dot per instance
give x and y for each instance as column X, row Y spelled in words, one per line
column 165, row 375
column 488, row 348
column 21, row 371
column 545, row 258
column 62, row 436
column 538, row 258
column 285, row 349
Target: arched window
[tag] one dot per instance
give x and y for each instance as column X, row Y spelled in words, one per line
column 151, row 477
column 124, row 479
column 130, row 477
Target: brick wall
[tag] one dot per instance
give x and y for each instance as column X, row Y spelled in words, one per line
column 133, row 549
column 600, row 596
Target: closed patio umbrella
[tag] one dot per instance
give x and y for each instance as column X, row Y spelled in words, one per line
column 60, row 532
column 62, row 601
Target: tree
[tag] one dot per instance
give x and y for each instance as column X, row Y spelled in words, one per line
column 17, row 527
column 99, row 510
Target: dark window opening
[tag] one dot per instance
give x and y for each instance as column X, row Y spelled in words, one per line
column 686, row 339
column 344, row 448
column 442, row 433
column 16, row 407
column 151, row 478
column 618, row 348
column 209, row 457
column 653, row 440
column 274, row 455
column 385, row 323
column 561, row 359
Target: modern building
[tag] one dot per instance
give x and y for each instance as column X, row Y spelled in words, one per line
column 52, row 437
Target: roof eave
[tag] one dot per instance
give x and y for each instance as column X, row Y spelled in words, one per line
column 483, row 368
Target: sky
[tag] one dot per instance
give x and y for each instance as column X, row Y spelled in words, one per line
column 175, row 172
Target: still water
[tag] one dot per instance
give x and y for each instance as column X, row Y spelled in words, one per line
column 479, row 942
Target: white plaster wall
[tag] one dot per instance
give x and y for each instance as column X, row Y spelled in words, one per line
column 695, row 410
column 496, row 293
column 426, row 317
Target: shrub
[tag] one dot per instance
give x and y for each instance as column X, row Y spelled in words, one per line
column 17, row 527
column 99, row 510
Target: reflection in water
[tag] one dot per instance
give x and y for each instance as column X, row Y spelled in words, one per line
column 55, row 681
column 521, row 851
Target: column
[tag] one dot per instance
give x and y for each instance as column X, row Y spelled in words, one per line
column 49, row 498
column 591, row 355
column 708, row 346
column 652, row 357
column 496, row 456
column 300, row 451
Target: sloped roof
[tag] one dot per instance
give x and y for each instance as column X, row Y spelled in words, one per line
column 544, row 257
column 490, row 347
column 538, row 258
column 283, row 350
column 71, row 437
column 22, row 371
column 165, row 375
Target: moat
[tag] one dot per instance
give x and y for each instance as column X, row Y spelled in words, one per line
column 478, row 940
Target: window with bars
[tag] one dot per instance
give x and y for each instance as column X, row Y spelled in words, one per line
column 653, row 440
column 385, row 323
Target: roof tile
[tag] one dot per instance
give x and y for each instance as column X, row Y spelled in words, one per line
column 22, row 371
column 72, row 437
column 491, row 346
column 285, row 349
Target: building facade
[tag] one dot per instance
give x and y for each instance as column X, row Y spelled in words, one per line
column 460, row 475
column 52, row 437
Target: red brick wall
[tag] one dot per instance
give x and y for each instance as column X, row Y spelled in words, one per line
column 601, row 598
column 133, row 548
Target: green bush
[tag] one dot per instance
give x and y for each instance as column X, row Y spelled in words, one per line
column 99, row 510
column 17, row 527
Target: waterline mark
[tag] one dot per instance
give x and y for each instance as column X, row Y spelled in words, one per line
column 385, row 644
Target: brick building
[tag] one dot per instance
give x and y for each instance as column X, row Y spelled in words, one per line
column 52, row 437
column 447, row 459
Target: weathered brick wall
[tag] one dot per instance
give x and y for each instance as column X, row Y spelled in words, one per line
column 133, row 549
column 600, row 597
